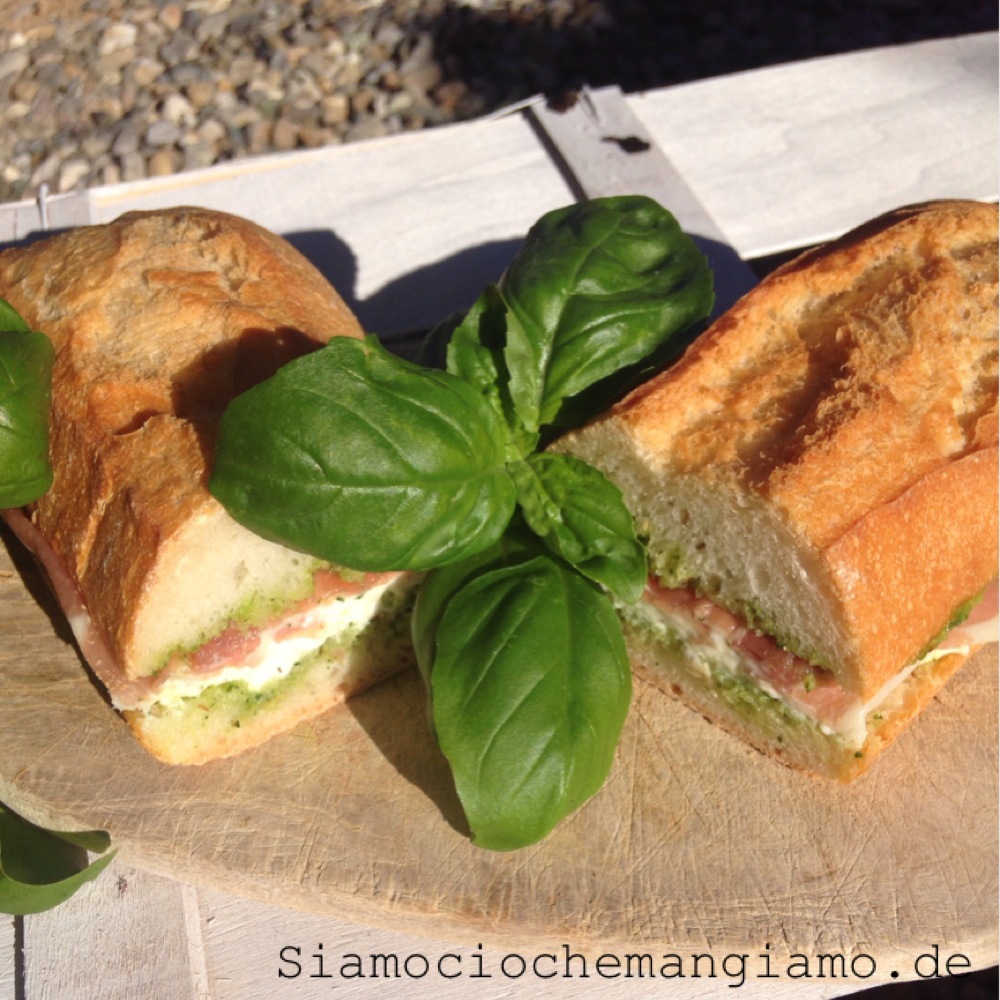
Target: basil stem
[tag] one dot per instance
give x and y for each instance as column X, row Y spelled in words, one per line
column 581, row 515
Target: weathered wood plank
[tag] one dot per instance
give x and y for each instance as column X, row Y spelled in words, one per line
column 408, row 226
column 122, row 937
column 8, row 958
column 795, row 154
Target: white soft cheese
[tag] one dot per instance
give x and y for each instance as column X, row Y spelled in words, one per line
column 282, row 646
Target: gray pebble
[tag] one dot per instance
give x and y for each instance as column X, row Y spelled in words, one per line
column 162, row 133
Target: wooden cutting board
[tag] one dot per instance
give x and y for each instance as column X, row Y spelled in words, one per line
column 695, row 844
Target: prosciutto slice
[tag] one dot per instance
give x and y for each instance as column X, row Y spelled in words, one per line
column 234, row 647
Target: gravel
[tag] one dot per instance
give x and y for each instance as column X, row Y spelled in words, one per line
column 118, row 90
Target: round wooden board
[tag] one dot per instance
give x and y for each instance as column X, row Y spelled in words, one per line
column 695, row 844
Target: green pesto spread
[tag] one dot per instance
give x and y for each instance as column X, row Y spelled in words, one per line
column 958, row 616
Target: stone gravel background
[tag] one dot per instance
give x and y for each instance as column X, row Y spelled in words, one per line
column 103, row 91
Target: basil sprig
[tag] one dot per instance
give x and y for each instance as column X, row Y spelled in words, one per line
column 26, row 360
column 375, row 463
column 600, row 292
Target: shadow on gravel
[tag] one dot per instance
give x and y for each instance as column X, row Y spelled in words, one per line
column 498, row 56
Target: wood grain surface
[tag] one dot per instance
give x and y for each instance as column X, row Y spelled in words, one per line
column 695, row 842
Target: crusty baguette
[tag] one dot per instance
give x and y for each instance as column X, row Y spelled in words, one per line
column 823, row 460
column 158, row 320
column 824, row 457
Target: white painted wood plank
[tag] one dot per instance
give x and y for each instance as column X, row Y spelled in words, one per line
column 411, row 227
column 795, row 154
column 21, row 219
column 8, row 958
column 257, row 952
column 121, row 937
column 17, row 220
column 407, row 228
column 607, row 151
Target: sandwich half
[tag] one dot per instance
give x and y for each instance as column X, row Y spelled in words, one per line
column 207, row 638
column 816, row 482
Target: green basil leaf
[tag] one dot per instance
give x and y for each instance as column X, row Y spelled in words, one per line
column 26, row 361
column 11, row 320
column 581, row 515
column 529, row 687
column 475, row 347
column 476, row 353
column 596, row 289
column 40, row 868
column 437, row 588
column 366, row 460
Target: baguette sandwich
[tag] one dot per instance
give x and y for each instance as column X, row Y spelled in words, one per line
column 816, row 480
column 208, row 638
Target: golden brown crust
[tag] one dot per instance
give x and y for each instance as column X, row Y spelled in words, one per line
column 830, row 386
column 158, row 320
column 854, row 392
column 903, row 568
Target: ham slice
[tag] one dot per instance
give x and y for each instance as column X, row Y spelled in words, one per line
column 93, row 647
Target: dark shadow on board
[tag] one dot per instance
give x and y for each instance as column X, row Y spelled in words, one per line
column 401, row 311
column 394, row 716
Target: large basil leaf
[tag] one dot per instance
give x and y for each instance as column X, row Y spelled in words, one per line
column 26, row 360
column 529, row 689
column 581, row 515
column 366, row 460
column 40, row 869
column 596, row 289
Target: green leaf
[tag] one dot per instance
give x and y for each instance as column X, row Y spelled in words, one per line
column 476, row 353
column 439, row 586
column 366, row 460
column 40, row 869
column 529, row 688
column 581, row 515
column 26, row 360
column 598, row 288
column 11, row 320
